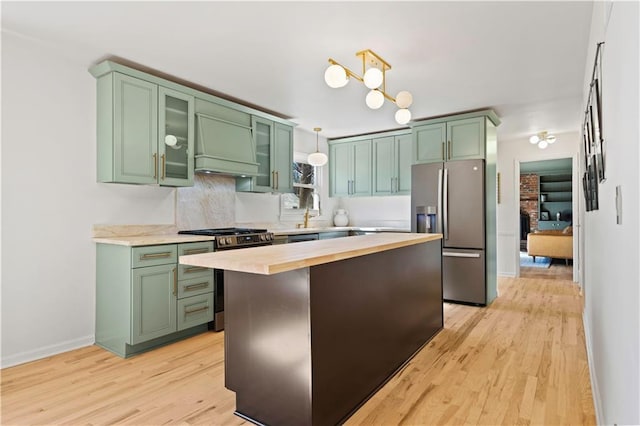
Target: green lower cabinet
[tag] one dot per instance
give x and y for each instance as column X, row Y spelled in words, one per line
column 153, row 305
column 145, row 299
column 195, row 310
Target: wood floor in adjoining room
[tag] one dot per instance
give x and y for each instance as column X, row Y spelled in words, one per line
column 521, row 360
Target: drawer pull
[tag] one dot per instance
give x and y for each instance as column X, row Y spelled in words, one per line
column 193, row 311
column 148, row 256
column 196, row 251
column 194, row 269
column 155, row 165
column 192, row 287
column 164, row 166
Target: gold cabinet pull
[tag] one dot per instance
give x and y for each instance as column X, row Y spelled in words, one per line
column 193, row 311
column 196, row 251
column 443, row 157
column 273, row 179
column 155, row 165
column 192, row 287
column 193, row 269
column 175, row 281
column 277, row 180
column 148, row 256
column 164, row 166
column 450, row 143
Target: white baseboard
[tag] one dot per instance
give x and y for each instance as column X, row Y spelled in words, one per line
column 507, row 274
column 45, row 351
column 597, row 402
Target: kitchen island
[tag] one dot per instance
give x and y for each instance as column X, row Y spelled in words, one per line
column 313, row 329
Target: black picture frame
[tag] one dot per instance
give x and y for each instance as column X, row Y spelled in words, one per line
column 596, row 106
column 586, row 190
column 593, row 182
column 544, row 215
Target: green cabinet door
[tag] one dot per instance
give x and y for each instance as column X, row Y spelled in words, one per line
column 403, row 157
column 175, row 137
column 153, row 302
column 362, row 168
column 135, row 132
column 429, row 143
column 383, row 165
column 392, row 165
column 274, row 155
column 340, row 170
column 283, row 157
column 465, row 139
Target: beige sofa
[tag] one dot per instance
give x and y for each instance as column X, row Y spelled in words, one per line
column 554, row 244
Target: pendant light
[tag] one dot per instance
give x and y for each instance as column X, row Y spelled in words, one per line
column 317, row 158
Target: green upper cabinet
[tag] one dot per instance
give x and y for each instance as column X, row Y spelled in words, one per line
column 176, row 137
column 350, row 168
column 392, row 165
column 457, row 137
column 283, row 157
column 134, row 117
column 152, row 130
column 429, row 141
column 274, row 155
column 465, row 139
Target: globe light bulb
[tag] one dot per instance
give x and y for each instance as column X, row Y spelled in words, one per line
column 403, row 116
column 335, row 76
column 404, row 99
column 374, row 99
column 373, row 78
column 551, row 139
column 542, row 144
column 534, row 139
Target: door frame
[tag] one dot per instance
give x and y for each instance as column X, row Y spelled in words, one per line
column 576, row 205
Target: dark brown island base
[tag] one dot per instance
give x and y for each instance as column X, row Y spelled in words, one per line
column 313, row 330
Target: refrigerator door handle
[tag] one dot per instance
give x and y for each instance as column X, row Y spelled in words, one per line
column 439, row 209
column 450, row 254
column 445, row 204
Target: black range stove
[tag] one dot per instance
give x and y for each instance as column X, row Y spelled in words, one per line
column 235, row 238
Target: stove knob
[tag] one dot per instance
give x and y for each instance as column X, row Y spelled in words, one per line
column 263, row 237
column 221, row 241
column 229, row 240
column 269, row 237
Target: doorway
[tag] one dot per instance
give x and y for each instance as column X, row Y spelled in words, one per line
column 547, row 201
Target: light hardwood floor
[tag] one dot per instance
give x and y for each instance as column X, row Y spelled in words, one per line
column 520, row 361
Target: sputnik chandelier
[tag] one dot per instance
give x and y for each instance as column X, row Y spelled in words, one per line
column 374, row 70
column 543, row 139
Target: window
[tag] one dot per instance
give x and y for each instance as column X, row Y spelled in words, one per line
column 306, row 190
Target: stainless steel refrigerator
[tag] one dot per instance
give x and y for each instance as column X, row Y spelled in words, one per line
column 449, row 198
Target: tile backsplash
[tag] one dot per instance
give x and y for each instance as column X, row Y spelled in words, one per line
column 209, row 203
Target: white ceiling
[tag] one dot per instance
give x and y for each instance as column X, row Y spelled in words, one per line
column 526, row 60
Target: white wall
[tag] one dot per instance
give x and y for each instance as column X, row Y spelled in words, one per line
column 611, row 281
column 50, row 200
column 510, row 154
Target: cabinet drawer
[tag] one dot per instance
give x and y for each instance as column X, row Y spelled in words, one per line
column 186, row 249
column 195, row 286
column 188, row 272
column 154, row 255
column 195, row 310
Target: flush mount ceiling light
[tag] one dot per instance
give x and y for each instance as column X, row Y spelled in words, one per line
column 543, row 139
column 374, row 70
column 317, row 158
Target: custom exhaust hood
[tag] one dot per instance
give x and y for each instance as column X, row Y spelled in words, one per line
column 224, row 141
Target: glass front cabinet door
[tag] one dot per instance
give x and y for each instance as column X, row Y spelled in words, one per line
column 176, row 138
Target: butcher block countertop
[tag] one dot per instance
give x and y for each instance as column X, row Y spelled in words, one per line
column 268, row 260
